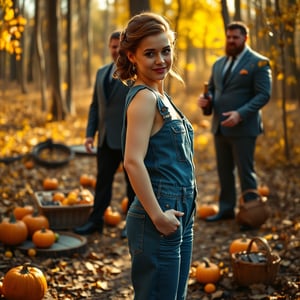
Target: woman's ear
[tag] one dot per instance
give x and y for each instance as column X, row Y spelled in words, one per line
column 130, row 57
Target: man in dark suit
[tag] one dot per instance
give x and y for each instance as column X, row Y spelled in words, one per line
column 240, row 85
column 105, row 117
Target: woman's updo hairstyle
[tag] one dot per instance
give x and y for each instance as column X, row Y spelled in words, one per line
column 139, row 27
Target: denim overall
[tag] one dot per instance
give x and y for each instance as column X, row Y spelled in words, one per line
column 161, row 264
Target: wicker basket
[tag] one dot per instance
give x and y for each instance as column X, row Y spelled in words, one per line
column 62, row 217
column 247, row 269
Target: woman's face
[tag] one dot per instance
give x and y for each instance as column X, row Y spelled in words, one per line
column 153, row 58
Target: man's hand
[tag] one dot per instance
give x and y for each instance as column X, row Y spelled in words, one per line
column 89, row 144
column 203, row 102
column 233, row 118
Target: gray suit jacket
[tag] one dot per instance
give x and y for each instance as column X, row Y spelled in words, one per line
column 247, row 90
column 106, row 110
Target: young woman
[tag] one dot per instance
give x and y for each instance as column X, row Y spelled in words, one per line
column 158, row 157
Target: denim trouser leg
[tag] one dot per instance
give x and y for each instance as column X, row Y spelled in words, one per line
column 160, row 265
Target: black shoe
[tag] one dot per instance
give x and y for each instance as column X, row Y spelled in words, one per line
column 89, row 228
column 124, row 233
column 220, row 217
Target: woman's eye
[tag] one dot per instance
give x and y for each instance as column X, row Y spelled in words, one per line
column 149, row 54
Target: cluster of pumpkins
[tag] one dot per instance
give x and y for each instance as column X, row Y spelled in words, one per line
column 25, row 281
column 25, row 223
column 209, row 273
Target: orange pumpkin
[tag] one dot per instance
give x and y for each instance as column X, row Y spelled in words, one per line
column 263, row 190
column 124, row 205
column 50, row 183
column 209, row 288
column 207, row 272
column 112, row 217
column 12, row 231
column 24, row 282
column 241, row 244
column 205, row 210
column 86, row 180
column 58, row 196
column 35, row 222
column 43, row 238
column 22, row 211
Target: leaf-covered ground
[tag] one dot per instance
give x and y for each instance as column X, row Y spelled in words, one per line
column 102, row 270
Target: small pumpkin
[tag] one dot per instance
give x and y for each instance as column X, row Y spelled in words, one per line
column 35, row 222
column 24, row 282
column 12, row 231
column 124, row 205
column 112, row 217
column 241, row 244
column 50, row 183
column 205, row 210
column 210, row 288
column 22, row 211
column 43, row 238
column 263, row 190
column 207, row 272
column 86, row 180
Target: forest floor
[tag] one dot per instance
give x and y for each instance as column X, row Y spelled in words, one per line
column 102, row 269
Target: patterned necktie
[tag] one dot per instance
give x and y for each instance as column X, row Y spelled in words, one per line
column 228, row 71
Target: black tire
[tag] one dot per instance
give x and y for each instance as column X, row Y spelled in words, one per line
column 52, row 155
column 10, row 159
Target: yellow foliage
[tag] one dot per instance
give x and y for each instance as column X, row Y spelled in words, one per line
column 10, row 29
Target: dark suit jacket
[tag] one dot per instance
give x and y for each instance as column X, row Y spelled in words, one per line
column 247, row 90
column 106, row 110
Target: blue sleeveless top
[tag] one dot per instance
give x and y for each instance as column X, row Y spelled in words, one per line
column 169, row 158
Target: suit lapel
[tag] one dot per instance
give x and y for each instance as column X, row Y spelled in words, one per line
column 244, row 59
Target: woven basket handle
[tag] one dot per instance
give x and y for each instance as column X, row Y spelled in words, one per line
column 241, row 200
column 264, row 242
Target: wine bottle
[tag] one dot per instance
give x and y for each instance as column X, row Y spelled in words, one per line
column 208, row 109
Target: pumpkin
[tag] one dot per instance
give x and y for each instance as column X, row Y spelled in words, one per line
column 205, row 210
column 35, row 222
column 22, row 211
column 124, row 205
column 58, row 196
column 209, row 288
column 263, row 190
column 241, row 244
column 12, row 231
column 112, row 217
column 43, row 238
column 207, row 272
column 24, row 282
column 86, row 180
column 1, row 284
column 50, row 183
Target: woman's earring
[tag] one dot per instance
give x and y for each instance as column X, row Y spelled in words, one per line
column 133, row 68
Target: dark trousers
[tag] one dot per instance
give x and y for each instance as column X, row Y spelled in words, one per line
column 108, row 161
column 231, row 153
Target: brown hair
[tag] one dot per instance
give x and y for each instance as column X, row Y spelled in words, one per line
column 238, row 25
column 139, row 27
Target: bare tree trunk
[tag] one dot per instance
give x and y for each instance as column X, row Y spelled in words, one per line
column 69, row 102
column 58, row 107
column 88, row 42
column 225, row 13
column 283, row 82
column 237, row 10
column 137, row 6
column 40, row 55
